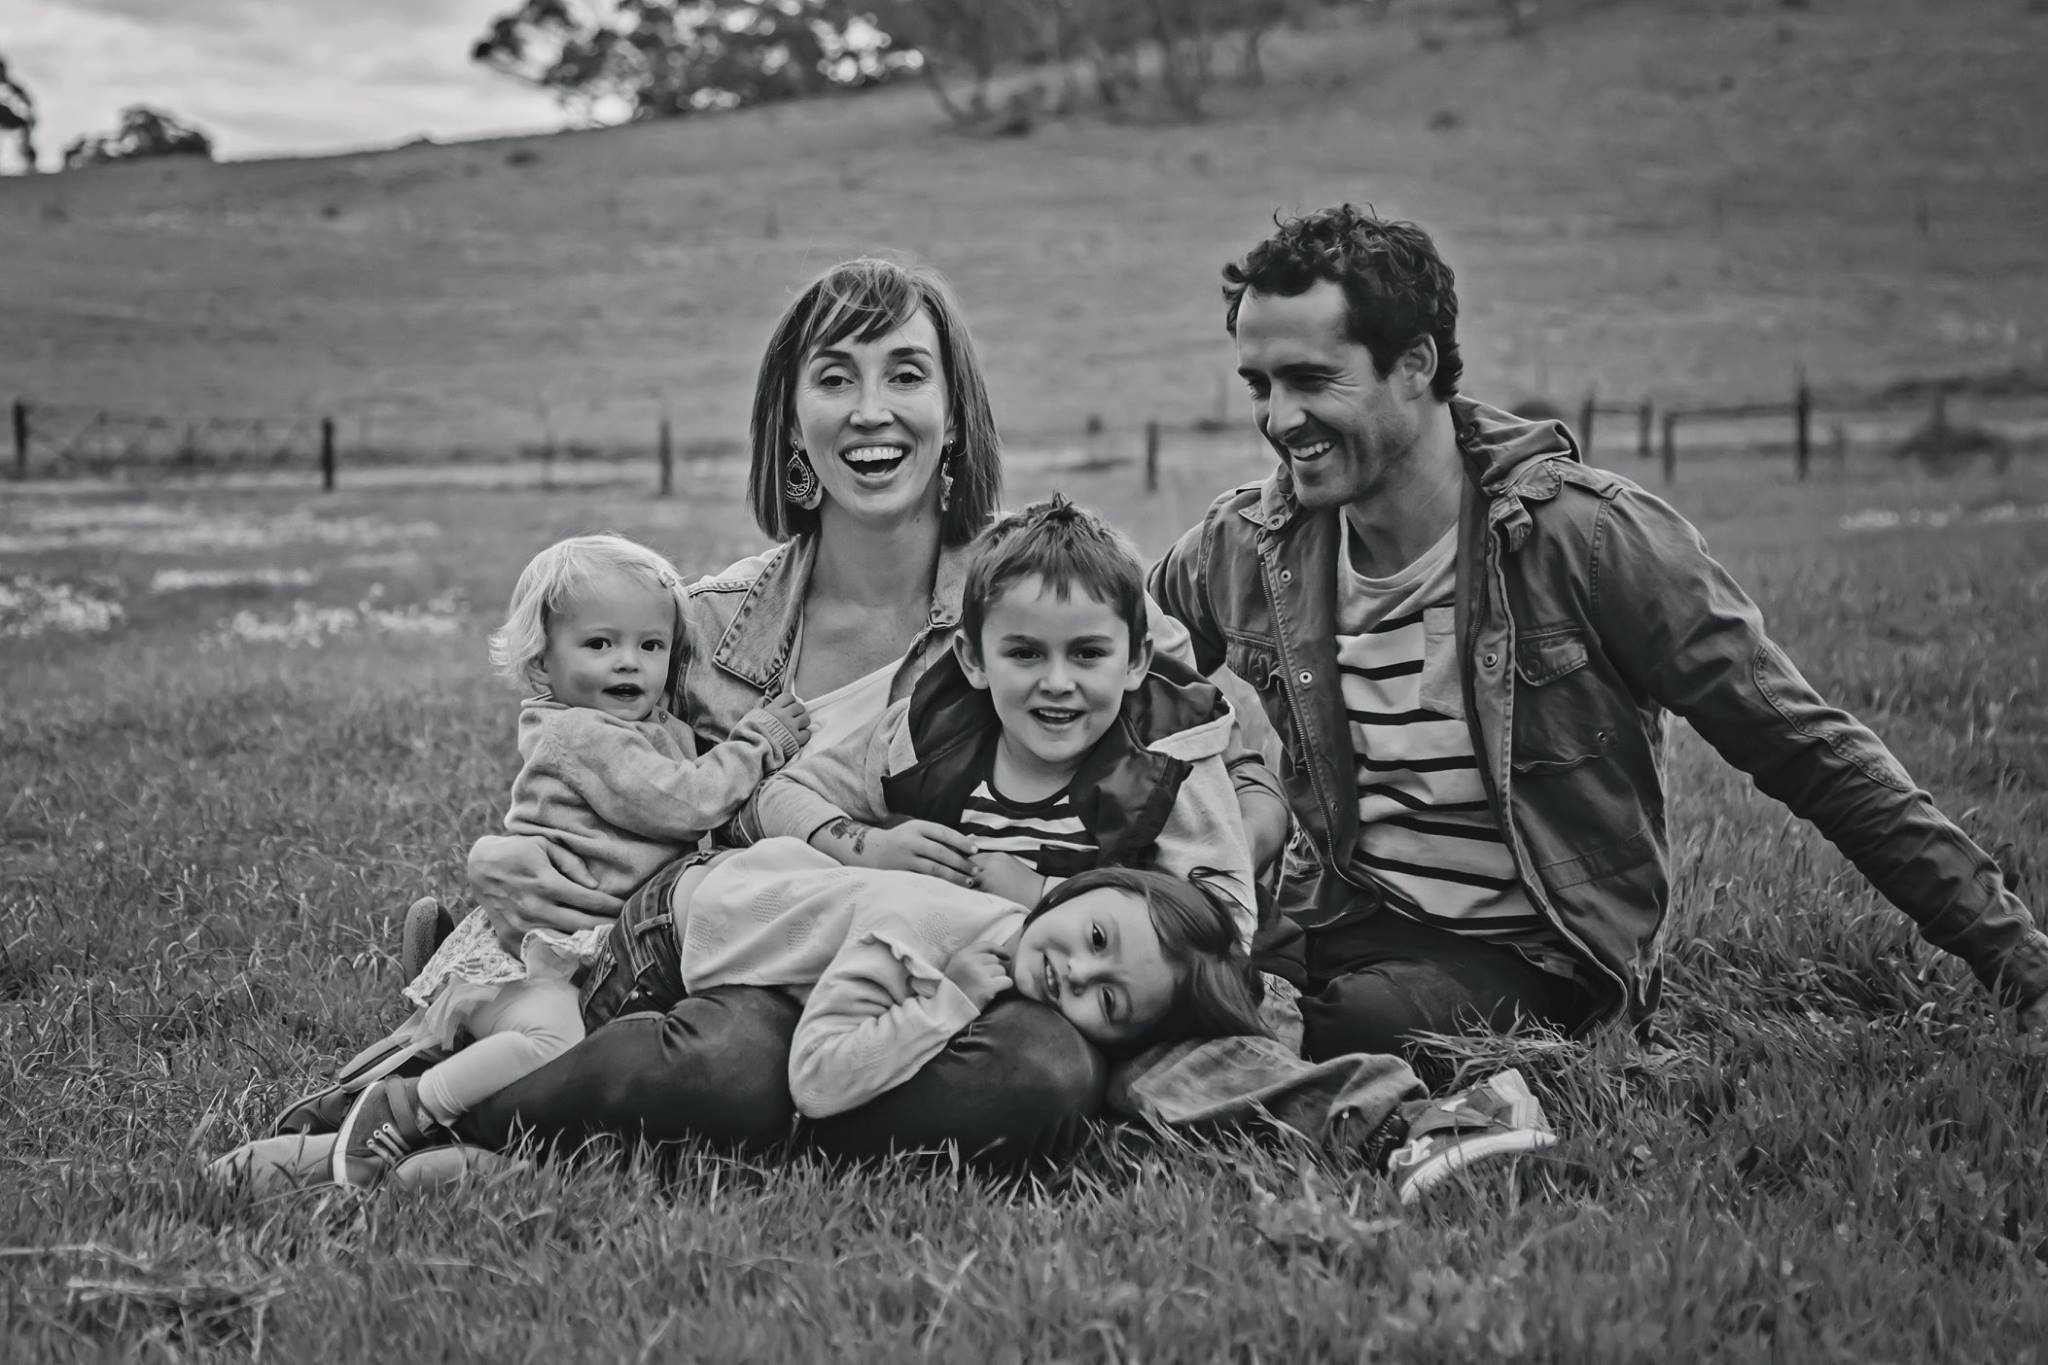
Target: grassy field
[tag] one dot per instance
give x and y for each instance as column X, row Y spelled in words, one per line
column 1684, row 199
column 244, row 726
column 243, row 729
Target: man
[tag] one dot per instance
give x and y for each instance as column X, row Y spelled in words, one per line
column 1467, row 640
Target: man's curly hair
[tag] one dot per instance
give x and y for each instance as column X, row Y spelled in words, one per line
column 1397, row 289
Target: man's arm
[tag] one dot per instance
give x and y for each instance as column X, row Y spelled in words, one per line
column 1680, row 628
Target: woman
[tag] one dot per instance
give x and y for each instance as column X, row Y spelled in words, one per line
column 875, row 461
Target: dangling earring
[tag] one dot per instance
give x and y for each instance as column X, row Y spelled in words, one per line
column 946, row 477
column 800, row 481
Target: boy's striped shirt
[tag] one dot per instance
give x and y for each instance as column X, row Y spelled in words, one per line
column 1048, row 835
column 1426, row 834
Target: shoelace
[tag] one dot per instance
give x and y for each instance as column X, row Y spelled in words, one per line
column 387, row 1144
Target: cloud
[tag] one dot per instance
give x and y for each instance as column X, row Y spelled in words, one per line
column 267, row 77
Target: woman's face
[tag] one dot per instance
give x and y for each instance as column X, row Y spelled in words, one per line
column 872, row 418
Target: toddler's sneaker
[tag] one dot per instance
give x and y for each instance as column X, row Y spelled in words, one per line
column 383, row 1127
column 426, row 924
column 1497, row 1117
column 322, row 1110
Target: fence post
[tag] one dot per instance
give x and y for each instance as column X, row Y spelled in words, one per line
column 1152, row 456
column 20, row 439
column 665, row 452
column 1802, row 429
column 1643, row 418
column 1588, row 410
column 1670, row 447
column 327, row 454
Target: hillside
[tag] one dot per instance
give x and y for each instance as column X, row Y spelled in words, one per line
column 1684, row 198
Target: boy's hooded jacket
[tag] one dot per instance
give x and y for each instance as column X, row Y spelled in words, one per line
column 1152, row 792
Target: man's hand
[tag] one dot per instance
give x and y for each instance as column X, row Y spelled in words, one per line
column 980, row 972
column 2034, row 1016
column 520, row 888
column 913, row 846
column 1008, row 876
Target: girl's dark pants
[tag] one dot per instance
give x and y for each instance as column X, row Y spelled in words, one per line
column 660, row 1066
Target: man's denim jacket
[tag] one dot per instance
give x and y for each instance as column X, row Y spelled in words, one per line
column 1584, row 610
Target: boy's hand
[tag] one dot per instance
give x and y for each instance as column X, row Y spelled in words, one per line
column 792, row 713
column 980, row 972
column 1008, row 876
column 913, row 846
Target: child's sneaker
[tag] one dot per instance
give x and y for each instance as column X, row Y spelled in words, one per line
column 322, row 1110
column 383, row 1127
column 426, row 924
column 1497, row 1117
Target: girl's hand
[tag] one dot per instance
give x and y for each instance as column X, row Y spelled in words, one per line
column 913, row 846
column 980, row 972
column 520, row 888
column 1008, row 876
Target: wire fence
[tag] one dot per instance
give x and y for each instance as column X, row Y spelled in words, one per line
column 1813, row 431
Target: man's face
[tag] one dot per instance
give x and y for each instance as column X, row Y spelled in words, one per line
column 1316, row 397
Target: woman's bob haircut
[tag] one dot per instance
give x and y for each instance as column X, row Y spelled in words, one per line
column 865, row 299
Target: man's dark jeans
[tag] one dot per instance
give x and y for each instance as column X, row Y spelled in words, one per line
column 1375, row 983
column 1017, row 1084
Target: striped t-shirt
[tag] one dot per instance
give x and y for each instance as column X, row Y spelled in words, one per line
column 1047, row 835
column 1425, row 832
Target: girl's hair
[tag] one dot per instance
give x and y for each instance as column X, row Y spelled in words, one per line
column 865, row 299
column 1215, row 990
column 557, row 576
column 1070, row 549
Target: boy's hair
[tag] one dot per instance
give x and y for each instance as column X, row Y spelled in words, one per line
column 1215, row 990
column 555, row 577
column 864, row 299
column 1068, row 548
column 1397, row 289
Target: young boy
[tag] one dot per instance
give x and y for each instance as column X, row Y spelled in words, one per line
column 1051, row 742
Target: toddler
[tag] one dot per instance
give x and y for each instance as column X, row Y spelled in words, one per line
column 613, row 782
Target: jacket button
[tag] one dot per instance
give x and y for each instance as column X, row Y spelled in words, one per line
column 1307, row 677
column 1287, row 575
column 1491, row 658
column 1276, row 521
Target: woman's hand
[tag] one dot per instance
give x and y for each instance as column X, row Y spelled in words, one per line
column 980, row 972
column 520, row 888
column 913, row 846
column 1008, row 876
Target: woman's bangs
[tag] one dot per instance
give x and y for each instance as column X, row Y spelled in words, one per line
column 863, row 309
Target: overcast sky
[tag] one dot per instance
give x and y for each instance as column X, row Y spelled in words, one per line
column 266, row 77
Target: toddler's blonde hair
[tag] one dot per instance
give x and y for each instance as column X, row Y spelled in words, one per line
column 554, row 578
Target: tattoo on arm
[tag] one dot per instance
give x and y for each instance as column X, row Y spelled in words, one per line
column 856, row 835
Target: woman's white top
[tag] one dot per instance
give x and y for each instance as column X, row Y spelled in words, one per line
column 847, row 707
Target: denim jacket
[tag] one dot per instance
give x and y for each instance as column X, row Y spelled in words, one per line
column 740, row 624
column 1585, row 609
